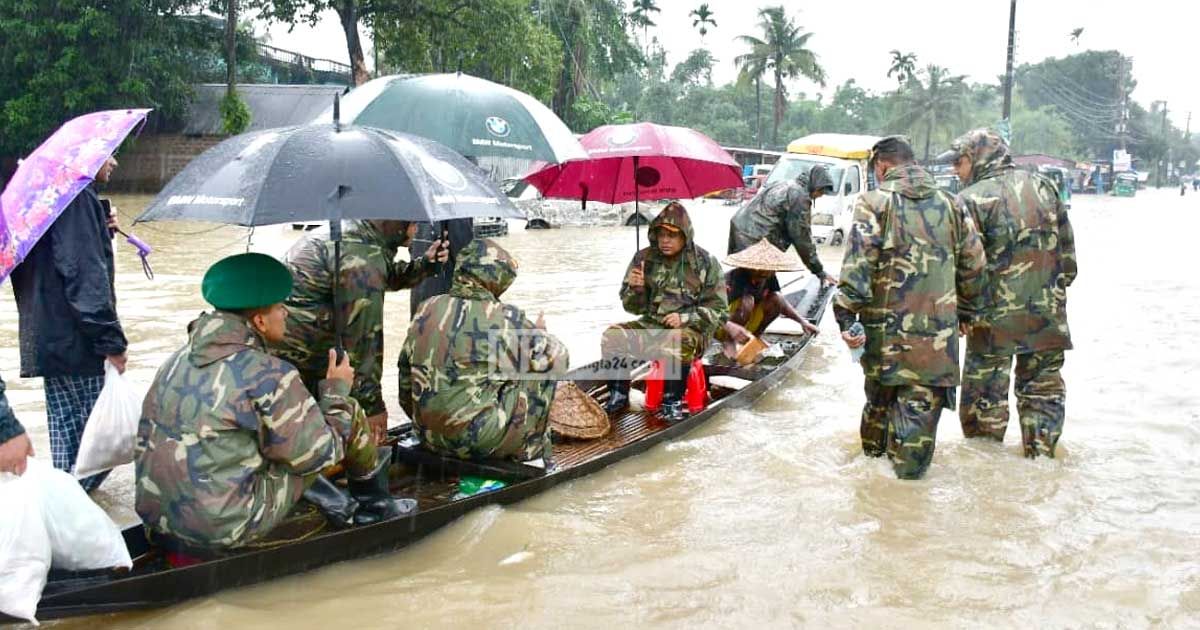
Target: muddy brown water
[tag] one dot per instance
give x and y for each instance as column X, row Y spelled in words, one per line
column 770, row 516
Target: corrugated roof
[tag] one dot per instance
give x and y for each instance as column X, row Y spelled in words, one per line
column 271, row 105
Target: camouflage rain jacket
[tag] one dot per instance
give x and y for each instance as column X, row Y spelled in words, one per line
column 368, row 271
column 913, row 269
column 476, row 376
column 228, row 435
column 782, row 213
column 692, row 284
column 1030, row 251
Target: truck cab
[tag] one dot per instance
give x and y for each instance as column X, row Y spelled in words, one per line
column 844, row 156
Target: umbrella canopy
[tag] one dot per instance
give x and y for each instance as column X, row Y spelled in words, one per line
column 473, row 116
column 328, row 172
column 53, row 175
column 670, row 163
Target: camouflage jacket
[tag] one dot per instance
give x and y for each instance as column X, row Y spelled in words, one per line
column 692, row 284
column 456, row 364
column 1030, row 249
column 9, row 426
column 913, row 269
column 228, row 432
column 781, row 213
column 368, row 271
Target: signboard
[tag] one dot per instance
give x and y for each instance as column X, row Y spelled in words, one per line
column 1122, row 161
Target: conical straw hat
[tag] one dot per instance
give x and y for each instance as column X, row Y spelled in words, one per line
column 765, row 257
column 574, row 414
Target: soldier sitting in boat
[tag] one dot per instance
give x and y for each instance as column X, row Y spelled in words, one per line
column 676, row 289
column 476, row 375
column 230, row 439
column 753, row 303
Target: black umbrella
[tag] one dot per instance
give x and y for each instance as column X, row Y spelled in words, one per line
column 328, row 172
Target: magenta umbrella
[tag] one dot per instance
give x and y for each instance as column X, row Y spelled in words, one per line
column 53, row 175
column 640, row 161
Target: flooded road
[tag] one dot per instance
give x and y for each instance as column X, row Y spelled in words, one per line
column 771, row 516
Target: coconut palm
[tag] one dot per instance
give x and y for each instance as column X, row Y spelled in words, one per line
column 783, row 50
column 703, row 18
column 904, row 66
column 938, row 99
column 1075, row 35
column 640, row 16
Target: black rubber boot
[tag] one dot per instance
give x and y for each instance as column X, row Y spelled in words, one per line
column 673, row 408
column 618, row 397
column 338, row 508
column 375, row 501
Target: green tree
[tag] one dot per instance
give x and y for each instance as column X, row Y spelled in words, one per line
column 640, row 16
column 782, row 50
column 904, row 66
column 695, row 70
column 702, row 18
column 926, row 105
column 70, row 57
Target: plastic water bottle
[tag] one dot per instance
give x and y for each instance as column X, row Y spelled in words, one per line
column 855, row 330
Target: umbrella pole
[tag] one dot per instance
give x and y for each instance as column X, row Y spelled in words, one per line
column 637, row 213
column 335, row 235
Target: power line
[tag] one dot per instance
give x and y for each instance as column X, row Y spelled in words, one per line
column 1075, row 99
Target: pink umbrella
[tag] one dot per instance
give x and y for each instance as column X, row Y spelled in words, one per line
column 53, row 175
column 669, row 163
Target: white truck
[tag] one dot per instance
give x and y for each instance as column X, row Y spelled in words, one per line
column 844, row 156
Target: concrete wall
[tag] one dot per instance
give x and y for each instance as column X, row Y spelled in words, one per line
column 151, row 162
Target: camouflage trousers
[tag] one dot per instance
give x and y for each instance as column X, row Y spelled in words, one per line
column 648, row 340
column 901, row 421
column 517, row 428
column 361, row 453
column 1041, row 398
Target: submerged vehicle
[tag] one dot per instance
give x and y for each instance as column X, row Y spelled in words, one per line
column 1125, row 184
column 845, row 157
column 304, row 541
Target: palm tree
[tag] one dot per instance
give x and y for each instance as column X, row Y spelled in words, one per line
column 703, row 19
column 1075, row 35
column 782, row 50
column 904, row 66
column 640, row 16
column 938, row 99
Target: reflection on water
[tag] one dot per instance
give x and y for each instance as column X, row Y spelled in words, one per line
column 771, row 516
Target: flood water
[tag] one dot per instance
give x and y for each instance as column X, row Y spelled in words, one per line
column 771, row 516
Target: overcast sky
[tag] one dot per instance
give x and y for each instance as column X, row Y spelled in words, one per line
column 852, row 40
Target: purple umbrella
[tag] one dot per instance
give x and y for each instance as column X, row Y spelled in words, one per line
column 53, row 175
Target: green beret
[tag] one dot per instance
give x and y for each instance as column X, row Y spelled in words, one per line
column 246, row 281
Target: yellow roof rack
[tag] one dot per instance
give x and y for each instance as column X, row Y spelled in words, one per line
column 838, row 145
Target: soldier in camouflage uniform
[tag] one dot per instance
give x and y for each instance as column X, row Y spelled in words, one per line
column 476, row 376
column 912, row 272
column 230, row 439
column 782, row 214
column 369, row 270
column 1030, row 263
column 677, row 289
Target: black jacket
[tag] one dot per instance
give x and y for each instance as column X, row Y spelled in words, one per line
column 9, row 427
column 66, row 300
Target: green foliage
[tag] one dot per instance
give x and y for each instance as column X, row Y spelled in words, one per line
column 695, row 70
column 235, row 116
column 783, row 51
column 69, row 57
column 932, row 105
column 589, row 114
column 702, row 18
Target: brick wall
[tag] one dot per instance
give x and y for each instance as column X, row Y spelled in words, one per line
column 149, row 163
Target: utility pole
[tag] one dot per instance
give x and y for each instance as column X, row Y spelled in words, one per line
column 1124, row 124
column 1168, row 143
column 1008, row 73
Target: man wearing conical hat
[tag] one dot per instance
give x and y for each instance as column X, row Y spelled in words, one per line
column 913, row 272
column 753, row 302
column 230, row 439
column 1030, row 263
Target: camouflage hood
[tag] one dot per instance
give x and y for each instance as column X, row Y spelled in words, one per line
column 909, row 181
column 216, row 336
column 484, row 271
column 987, row 151
column 815, row 179
column 674, row 214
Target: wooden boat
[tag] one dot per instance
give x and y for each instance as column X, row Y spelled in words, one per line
column 304, row 542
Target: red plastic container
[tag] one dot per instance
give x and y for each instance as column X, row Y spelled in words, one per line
column 696, row 394
column 654, row 386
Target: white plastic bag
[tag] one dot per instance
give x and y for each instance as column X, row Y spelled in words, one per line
column 111, row 429
column 24, row 546
column 82, row 537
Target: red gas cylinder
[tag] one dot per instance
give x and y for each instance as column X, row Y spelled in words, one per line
column 696, row 394
column 654, row 386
